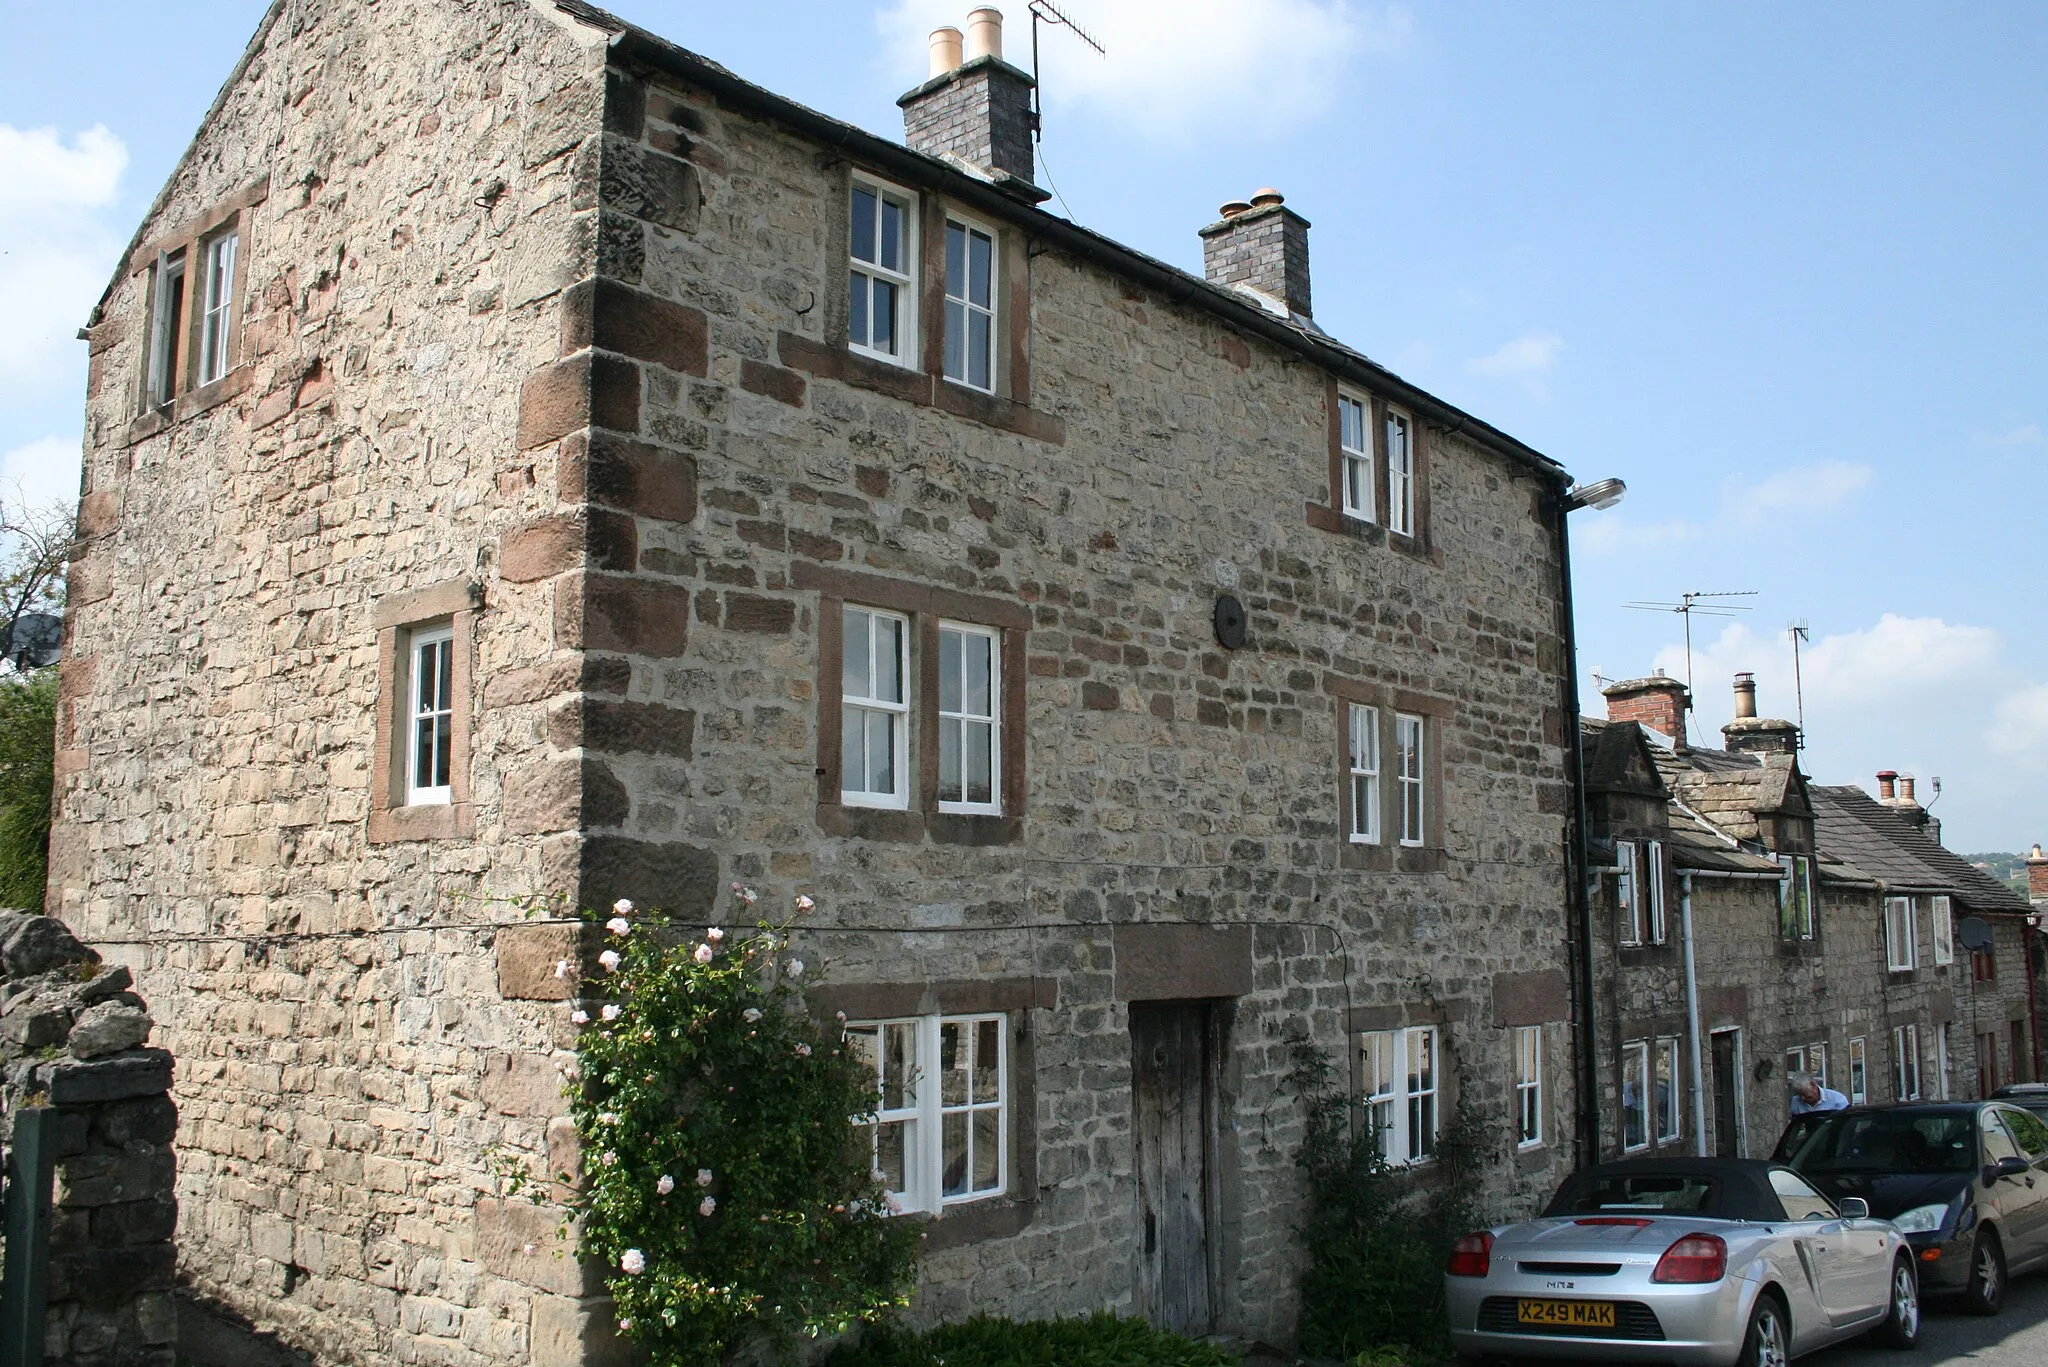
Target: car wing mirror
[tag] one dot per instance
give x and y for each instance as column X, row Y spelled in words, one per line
column 2004, row 1167
column 1855, row 1208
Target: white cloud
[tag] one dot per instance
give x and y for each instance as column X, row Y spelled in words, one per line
column 1920, row 695
column 1801, row 489
column 2026, row 434
column 1616, row 534
column 1525, row 357
column 41, row 473
column 2020, row 726
column 1178, row 66
column 56, row 249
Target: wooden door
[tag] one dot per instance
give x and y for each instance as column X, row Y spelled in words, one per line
column 1174, row 1066
column 1727, row 1120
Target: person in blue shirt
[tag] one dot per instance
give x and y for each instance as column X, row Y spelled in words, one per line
column 1808, row 1095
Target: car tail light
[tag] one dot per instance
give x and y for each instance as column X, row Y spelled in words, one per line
column 1695, row 1258
column 1471, row 1255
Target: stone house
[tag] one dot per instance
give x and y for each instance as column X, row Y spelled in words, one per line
column 529, row 465
column 1753, row 923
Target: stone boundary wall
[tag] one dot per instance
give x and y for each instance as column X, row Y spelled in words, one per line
column 71, row 1037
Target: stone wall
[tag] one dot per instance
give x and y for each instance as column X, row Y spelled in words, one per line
column 71, row 1046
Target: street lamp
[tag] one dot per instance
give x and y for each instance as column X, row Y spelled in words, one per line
column 1601, row 493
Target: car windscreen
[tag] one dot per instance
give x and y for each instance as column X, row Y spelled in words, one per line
column 1890, row 1141
column 1664, row 1193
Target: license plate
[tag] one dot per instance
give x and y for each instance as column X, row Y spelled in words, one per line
column 1566, row 1314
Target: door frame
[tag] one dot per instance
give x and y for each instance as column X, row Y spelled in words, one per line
column 1741, row 1102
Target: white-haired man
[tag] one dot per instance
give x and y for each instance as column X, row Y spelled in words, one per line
column 1808, row 1095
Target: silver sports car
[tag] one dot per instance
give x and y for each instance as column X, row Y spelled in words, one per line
column 1683, row 1260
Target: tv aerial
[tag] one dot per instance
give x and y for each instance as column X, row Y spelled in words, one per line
column 1047, row 12
column 1688, row 605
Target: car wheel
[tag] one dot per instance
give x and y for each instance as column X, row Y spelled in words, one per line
column 1986, row 1291
column 1901, row 1327
column 1769, row 1341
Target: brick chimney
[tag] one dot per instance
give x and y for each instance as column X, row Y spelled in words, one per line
column 1657, row 702
column 2037, row 876
column 976, row 106
column 1749, row 734
column 1263, row 244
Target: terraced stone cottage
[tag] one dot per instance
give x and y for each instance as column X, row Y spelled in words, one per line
column 528, row 465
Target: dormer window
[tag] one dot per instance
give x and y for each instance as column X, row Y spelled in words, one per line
column 1795, row 897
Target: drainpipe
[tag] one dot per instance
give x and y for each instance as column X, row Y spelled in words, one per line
column 1588, row 1136
column 1692, row 1015
column 2027, row 937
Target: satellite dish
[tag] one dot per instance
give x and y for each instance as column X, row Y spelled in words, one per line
column 37, row 640
column 1974, row 932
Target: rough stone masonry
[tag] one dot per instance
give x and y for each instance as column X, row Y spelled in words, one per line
column 71, row 1046
column 539, row 338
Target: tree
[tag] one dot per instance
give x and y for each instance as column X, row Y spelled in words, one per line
column 35, row 553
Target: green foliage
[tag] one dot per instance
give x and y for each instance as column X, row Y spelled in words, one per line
column 1100, row 1340
column 1377, row 1236
column 2009, row 869
column 28, row 744
column 705, row 1075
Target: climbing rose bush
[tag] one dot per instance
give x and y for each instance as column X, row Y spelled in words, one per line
column 726, row 1188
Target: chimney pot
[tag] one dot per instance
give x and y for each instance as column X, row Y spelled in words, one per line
column 1906, row 789
column 975, row 106
column 1745, row 695
column 985, row 33
column 1261, row 244
column 1887, row 784
column 945, row 50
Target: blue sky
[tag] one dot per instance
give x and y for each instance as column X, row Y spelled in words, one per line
column 1782, row 268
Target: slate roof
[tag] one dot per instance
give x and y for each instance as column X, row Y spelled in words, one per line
column 1851, row 823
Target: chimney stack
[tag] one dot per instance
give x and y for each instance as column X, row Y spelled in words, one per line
column 1657, row 702
column 975, row 106
column 1887, row 784
column 1749, row 734
column 1260, row 244
column 1745, row 695
column 2037, row 877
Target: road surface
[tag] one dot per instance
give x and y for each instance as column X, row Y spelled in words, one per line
column 2016, row 1337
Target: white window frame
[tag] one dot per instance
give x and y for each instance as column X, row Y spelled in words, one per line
column 1901, row 943
column 1905, row 1062
column 1653, row 890
column 993, row 719
column 1358, row 494
column 1628, row 892
column 1635, row 1067
column 420, row 709
column 1400, row 472
column 968, row 307
column 1664, row 1074
column 217, row 325
column 166, row 285
column 1363, row 743
column 1797, row 875
column 1944, row 930
column 1407, row 757
column 1528, row 1040
column 906, row 354
column 1941, row 1057
column 1859, row 1072
column 1404, row 1107
column 924, row 1117
column 852, row 705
